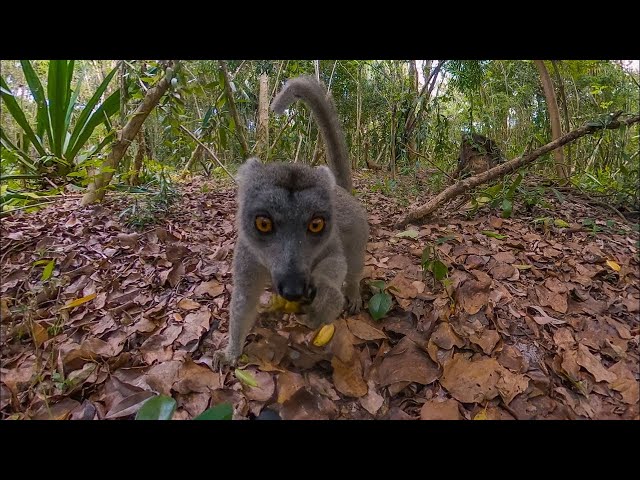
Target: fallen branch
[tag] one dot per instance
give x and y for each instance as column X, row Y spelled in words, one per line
column 511, row 166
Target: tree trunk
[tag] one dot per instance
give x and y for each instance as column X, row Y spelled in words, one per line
column 413, row 74
column 295, row 157
column 393, row 142
column 234, row 112
column 565, row 112
column 508, row 167
column 423, row 96
column 134, row 178
column 317, row 151
column 96, row 189
column 262, row 141
column 354, row 158
column 195, row 155
column 554, row 117
column 122, row 79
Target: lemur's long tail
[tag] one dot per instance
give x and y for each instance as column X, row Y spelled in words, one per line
column 310, row 91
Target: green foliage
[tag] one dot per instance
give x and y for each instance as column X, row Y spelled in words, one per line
column 48, row 270
column 431, row 263
column 162, row 407
column 66, row 134
column 223, row 411
column 55, row 128
column 491, row 234
column 618, row 185
column 500, row 195
column 381, row 302
column 150, row 207
column 245, row 377
column 386, row 186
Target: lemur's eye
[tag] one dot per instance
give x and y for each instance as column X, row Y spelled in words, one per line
column 264, row 224
column 316, row 225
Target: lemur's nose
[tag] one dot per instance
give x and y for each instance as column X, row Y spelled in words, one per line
column 291, row 292
column 292, row 287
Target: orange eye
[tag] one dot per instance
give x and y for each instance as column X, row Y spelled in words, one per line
column 264, row 224
column 316, row 225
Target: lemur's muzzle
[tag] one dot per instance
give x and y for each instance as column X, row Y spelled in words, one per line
column 294, row 286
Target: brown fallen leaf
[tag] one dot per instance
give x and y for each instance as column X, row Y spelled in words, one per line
column 495, row 222
column 503, row 271
column 194, row 403
column 564, row 339
column 288, row 384
column 577, row 403
column 98, row 347
column 161, row 377
column 510, row 357
column 569, row 364
column 555, row 285
column 5, row 396
column 487, row 340
column 621, row 329
column 341, row 344
column 444, row 337
column 188, row 304
column 363, row 330
column 625, row 383
column 175, row 274
column 631, row 304
column 473, row 295
column 157, row 347
column 403, row 288
column 372, row 401
column 193, row 377
column 494, row 413
column 195, row 325
column 268, row 351
column 128, row 405
column 557, row 301
column 406, row 362
column 86, row 411
column 399, row 262
column 544, row 319
column 322, row 386
column 593, row 365
column 40, row 334
column 5, row 312
column 212, row 288
column 347, row 377
column 474, row 261
column 445, row 410
column 58, row 411
column 264, row 390
column 437, row 354
column 511, row 384
column 471, row 381
column 77, row 378
column 505, row 257
column 305, row 405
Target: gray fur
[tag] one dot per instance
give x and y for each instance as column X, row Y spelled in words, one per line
column 324, row 112
column 291, row 195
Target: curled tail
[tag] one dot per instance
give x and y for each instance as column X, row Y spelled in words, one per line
column 310, row 91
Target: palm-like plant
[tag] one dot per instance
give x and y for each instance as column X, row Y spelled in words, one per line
column 58, row 136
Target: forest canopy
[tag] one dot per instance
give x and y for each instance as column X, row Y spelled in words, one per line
column 60, row 119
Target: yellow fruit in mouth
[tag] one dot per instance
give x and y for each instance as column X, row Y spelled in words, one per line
column 281, row 304
column 292, row 307
column 324, row 335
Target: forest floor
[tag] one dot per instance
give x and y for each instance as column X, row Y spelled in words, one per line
column 537, row 320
